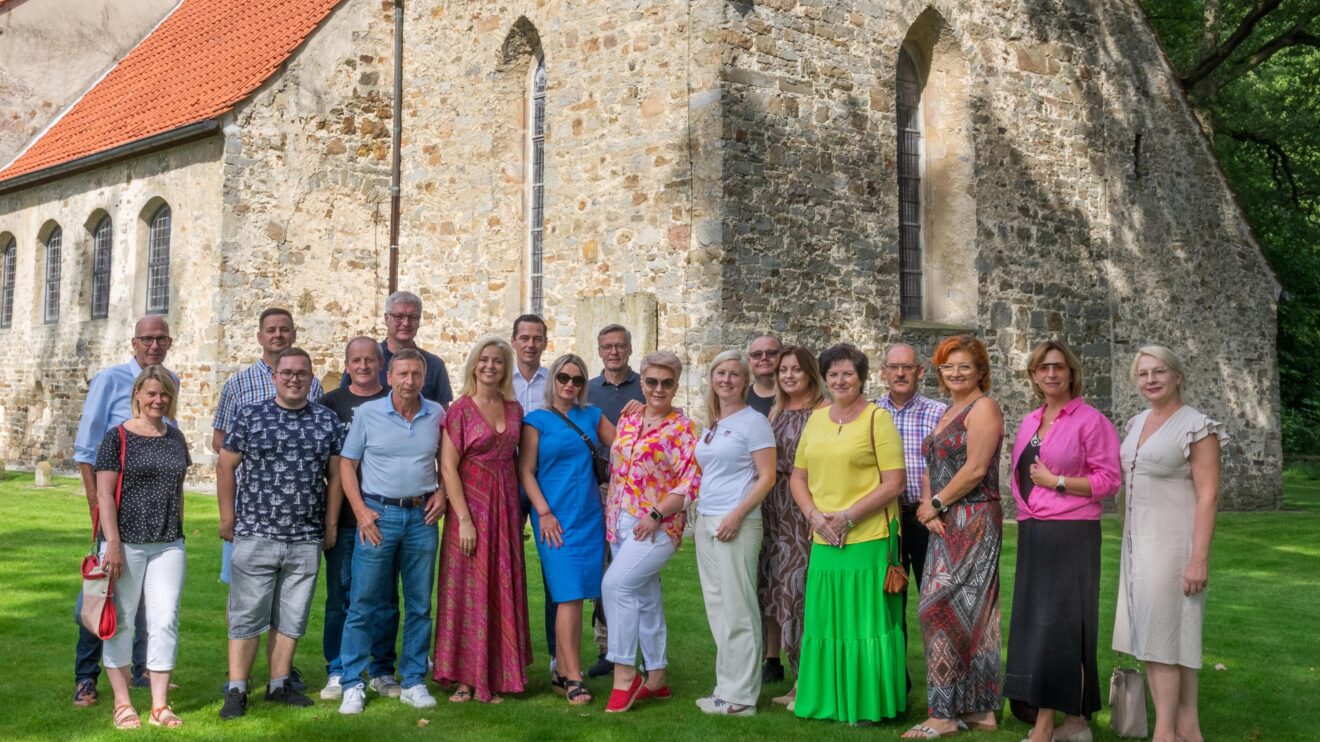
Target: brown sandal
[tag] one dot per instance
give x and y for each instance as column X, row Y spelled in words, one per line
column 126, row 717
column 164, row 716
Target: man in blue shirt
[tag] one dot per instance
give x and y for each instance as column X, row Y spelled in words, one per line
column 275, row 515
column 108, row 404
column 403, row 317
column 394, row 442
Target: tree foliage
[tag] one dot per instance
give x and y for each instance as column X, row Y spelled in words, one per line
column 1252, row 70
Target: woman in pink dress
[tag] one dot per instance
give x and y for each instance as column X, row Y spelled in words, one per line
column 482, row 641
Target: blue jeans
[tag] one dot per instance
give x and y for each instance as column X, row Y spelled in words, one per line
column 338, row 586
column 87, row 660
column 406, row 554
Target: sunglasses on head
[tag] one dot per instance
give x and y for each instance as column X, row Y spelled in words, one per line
column 651, row 382
column 564, row 378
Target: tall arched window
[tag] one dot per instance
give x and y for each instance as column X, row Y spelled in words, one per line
column 101, row 238
column 536, row 185
column 158, row 261
column 909, row 186
column 51, row 296
column 10, row 270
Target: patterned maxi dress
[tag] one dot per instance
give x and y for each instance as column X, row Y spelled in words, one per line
column 782, row 571
column 481, row 630
column 960, row 589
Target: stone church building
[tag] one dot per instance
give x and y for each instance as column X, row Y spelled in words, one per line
column 862, row 170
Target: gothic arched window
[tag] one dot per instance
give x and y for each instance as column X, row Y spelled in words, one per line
column 536, row 188
column 158, row 261
column 51, row 296
column 10, row 270
column 909, row 187
column 101, row 238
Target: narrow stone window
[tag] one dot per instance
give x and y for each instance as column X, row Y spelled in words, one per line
column 536, row 183
column 158, row 262
column 909, row 187
column 51, row 297
column 10, row 268
column 101, row 238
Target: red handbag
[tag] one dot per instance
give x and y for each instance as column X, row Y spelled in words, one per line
column 98, row 593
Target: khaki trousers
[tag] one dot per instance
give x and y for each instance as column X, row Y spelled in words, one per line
column 728, row 584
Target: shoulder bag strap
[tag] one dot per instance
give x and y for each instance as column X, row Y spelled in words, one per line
column 119, row 488
column 893, row 522
column 590, row 446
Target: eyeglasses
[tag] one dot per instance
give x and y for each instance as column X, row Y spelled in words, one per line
column 404, row 318
column 710, row 434
column 906, row 367
column 651, row 382
column 613, row 348
column 1159, row 372
column 288, row 375
column 1057, row 368
column 962, row 368
column 162, row 341
column 757, row 355
column 563, row 378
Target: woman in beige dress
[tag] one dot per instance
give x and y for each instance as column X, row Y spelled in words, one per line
column 1171, row 470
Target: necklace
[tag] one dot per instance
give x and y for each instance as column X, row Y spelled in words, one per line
column 843, row 417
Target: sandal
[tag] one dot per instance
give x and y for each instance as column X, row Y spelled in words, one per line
column 559, row 684
column 926, row 732
column 461, row 696
column 164, row 716
column 126, row 717
column 578, row 694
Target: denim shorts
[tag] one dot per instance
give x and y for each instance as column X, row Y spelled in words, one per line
column 272, row 578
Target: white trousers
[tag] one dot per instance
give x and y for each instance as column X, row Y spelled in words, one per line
column 728, row 585
column 153, row 573
column 630, row 594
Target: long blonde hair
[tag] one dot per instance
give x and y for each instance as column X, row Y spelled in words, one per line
column 712, row 400
column 470, row 368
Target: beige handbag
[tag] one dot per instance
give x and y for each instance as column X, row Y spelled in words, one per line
column 1127, row 703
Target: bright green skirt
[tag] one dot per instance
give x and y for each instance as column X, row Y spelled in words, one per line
column 853, row 648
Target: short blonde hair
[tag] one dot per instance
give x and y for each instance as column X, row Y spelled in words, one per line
column 712, row 400
column 156, row 373
column 470, row 368
column 663, row 359
column 555, row 368
column 1161, row 354
column 1037, row 357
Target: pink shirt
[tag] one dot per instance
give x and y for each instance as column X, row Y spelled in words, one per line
column 647, row 467
column 1082, row 443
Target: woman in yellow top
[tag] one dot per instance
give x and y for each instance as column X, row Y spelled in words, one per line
column 847, row 476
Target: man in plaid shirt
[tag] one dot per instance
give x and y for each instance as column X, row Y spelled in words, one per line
column 915, row 416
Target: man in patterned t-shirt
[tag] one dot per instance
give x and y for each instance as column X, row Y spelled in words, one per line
column 289, row 450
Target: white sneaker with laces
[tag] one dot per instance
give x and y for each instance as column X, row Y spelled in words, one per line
column 417, row 696
column 386, row 685
column 332, row 690
column 354, row 699
column 721, row 707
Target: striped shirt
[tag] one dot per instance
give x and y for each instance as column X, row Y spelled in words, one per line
column 914, row 420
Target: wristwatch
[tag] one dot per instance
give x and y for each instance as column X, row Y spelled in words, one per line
column 1059, row 486
column 935, row 503
column 655, row 515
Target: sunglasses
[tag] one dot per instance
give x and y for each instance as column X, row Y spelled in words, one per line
column 651, row 382
column 563, row 378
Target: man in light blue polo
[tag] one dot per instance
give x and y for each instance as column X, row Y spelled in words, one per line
column 395, row 441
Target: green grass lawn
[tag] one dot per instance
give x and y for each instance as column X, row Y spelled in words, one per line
column 1260, row 628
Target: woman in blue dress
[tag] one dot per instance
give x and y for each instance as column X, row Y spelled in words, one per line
column 555, row 464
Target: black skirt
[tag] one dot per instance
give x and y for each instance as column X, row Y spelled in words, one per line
column 1056, row 609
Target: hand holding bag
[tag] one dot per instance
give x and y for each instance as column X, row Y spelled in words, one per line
column 1127, row 703
column 600, row 465
column 98, row 605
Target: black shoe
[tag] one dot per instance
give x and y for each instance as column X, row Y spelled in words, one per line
column 287, row 695
column 84, row 694
column 140, row 681
column 295, row 679
column 602, row 668
column 772, row 671
column 235, row 704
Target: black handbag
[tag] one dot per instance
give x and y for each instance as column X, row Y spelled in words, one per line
column 599, row 464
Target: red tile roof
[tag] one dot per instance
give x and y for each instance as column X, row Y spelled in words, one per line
column 204, row 58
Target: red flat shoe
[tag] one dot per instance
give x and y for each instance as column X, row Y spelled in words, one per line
column 660, row 694
column 622, row 700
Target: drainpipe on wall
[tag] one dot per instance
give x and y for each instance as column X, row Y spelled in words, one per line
column 396, row 145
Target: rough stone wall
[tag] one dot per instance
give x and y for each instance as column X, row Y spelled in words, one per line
column 1069, row 240
column 45, row 368
column 87, row 37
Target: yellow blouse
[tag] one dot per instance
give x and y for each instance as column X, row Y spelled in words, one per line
column 841, row 470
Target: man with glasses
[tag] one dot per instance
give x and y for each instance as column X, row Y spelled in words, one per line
column 108, row 404
column 915, row 416
column 763, row 354
column 275, row 517
column 528, row 346
column 403, row 318
column 275, row 333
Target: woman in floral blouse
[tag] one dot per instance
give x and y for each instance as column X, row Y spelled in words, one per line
column 653, row 478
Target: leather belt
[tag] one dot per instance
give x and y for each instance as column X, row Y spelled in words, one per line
column 407, row 503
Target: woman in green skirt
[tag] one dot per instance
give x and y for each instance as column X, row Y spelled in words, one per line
column 847, row 477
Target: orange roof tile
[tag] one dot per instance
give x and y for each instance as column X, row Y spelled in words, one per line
column 204, row 58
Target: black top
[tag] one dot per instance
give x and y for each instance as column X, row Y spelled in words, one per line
column 344, row 403
column 151, row 503
column 1029, row 455
column 436, row 386
column 759, row 403
column 612, row 398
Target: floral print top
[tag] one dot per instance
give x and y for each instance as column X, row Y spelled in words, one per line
column 645, row 467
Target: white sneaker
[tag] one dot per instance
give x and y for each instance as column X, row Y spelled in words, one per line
column 332, row 690
column 721, row 707
column 417, row 697
column 354, row 699
column 386, row 685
